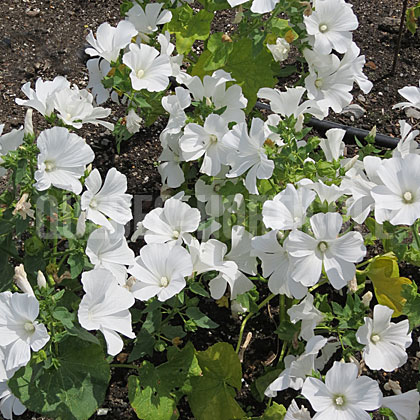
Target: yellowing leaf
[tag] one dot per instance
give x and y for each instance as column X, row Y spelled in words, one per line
column 385, row 276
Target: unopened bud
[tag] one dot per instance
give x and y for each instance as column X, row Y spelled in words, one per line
column 239, row 14
column 366, row 298
column 351, row 163
column 81, row 225
column 40, row 280
column 372, row 133
column 21, row 280
column 28, row 128
column 357, row 363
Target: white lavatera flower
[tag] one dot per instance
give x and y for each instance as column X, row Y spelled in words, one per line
column 326, row 193
column 173, row 223
column 385, row 342
column 21, row 280
column 277, row 265
column 170, row 170
column 306, row 312
column 213, row 90
column 110, row 41
column 240, row 250
column 333, row 146
column 175, row 105
column 399, row 196
column 9, row 142
column 208, row 193
column 110, row 250
column 248, row 154
column 104, row 307
column 160, row 271
column 149, row 70
column 407, row 144
column 147, row 19
column 98, row 69
column 58, row 164
column 296, row 413
column 405, row 406
column 344, row 395
column 336, row 254
column 412, row 94
column 75, row 107
column 133, row 122
column 19, row 328
column 42, row 97
column 279, row 50
column 272, row 120
column 107, row 200
column 330, row 25
column 297, row 368
column 287, row 210
column 207, row 141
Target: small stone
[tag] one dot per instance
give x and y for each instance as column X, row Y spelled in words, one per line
column 412, row 113
column 102, row 411
column 32, row 12
column 356, row 111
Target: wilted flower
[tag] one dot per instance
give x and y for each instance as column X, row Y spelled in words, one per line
column 133, row 121
column 280, row 49
column 23, row 207
column 21, row 280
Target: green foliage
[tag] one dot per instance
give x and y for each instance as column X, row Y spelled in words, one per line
column 72, row 391
column 411, row 306
column 189, row 27
column 274, row 412
column 200, row 319
column 213, row 393
column 412, row 17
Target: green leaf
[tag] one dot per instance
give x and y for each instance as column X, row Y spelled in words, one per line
column 77, row 263
column 198, row 289
column 150, row 396
column 200, row 319
column 73, row 391
column 251, row 75
column 189, row 27
column 64, row 316
column 275, row 412
column 213, row 5
column 143, row 345
column 83, row 334
column 411, row 307
column 262, row 382
column 173, row 331
column 220, row 50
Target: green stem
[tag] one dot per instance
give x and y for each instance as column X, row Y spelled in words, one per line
column 125, row 365
column 248, row 317
column 416, row 234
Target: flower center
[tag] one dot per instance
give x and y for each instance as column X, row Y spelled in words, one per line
column 208, row 101
column 375, row 338
column 68, row 116
column 323, row 246
column 140, row 74
column 175, row 234
column 49, row 165
column 339, row 400
column 164, row 282
column 323, row 28
column 408, row 197
column 150, row 28
column 93, row 203
column 213, row 138
column 29, row 327
column 318, row 83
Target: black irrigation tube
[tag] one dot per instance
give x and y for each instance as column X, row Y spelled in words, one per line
column 322, row 126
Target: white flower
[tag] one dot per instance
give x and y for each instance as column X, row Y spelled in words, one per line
column 306, row 312
column 23, row 207
column 400, row 192
column 58, row 163
column 104, row 307
column 148, row 71
column 336, row 254
column 110, row 250
column 175, row 105
column 146, row 20
column 171, row 156
column 18, row 328
column 407, row 144
column 412, row 94
column 98, row 69
column 405, row 406
column 240, row 250
column 110, row 41
column 249, row 155
column 42, row 97
column 208, row 194
column 296, row 413
column 40, row 280
column 110, row 200
column 21, row 280
column 277, row 266
column 330, row 24
column 287, row 210
column 9, row 142
column 133, row 121
column 208, row 141
column 172, row 223
column 160, row 271
column 333, row 145
column 326, row 193
column 75, row 108
column 280, row 49
column 385, row 342
column 344, row 396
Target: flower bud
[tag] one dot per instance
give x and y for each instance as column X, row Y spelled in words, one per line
column 21, row 280
column 40, row 280
column 366, row 298
column 81, row 225
column 28, row 128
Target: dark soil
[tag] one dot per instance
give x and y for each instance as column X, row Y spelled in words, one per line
column 45, row 39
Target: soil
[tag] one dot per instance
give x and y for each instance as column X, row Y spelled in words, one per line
column 45, row 38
